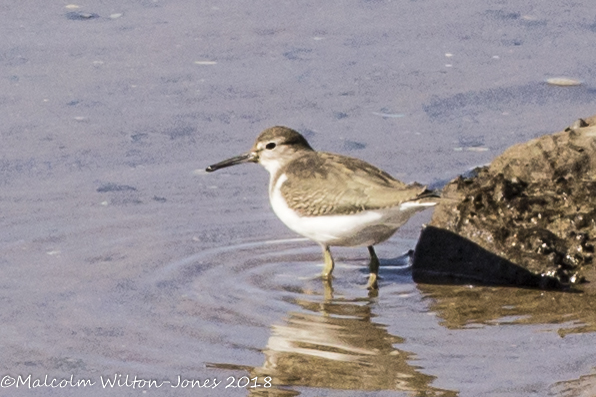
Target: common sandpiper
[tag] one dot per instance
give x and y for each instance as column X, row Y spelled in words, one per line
column 332, row 199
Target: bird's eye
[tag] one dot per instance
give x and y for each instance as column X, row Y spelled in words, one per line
column 270, row 146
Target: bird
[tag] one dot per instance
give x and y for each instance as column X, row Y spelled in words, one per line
column 332, row 199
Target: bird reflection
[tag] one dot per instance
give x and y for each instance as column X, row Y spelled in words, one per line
column 334, row 343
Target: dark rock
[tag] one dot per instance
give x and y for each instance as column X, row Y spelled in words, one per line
column 444, row 257
column 533, row 208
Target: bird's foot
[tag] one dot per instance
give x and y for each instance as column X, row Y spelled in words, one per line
column 326, row 276
column 372, row 281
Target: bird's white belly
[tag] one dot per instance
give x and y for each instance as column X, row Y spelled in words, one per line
column 361, row 229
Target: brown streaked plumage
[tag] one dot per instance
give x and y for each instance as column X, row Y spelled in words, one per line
column 332, row 199
column 367, row 187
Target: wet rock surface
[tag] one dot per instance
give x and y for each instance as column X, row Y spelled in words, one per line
column 527, row 219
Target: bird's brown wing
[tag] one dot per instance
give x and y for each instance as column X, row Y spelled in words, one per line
column 329, row 184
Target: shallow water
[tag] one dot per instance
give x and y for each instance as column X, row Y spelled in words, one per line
column 120, row 257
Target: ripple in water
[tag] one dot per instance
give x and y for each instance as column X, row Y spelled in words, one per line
column 321, row 336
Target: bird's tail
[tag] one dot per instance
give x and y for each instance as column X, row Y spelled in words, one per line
column 426, row 193
column 435, row 196
column 426, row 198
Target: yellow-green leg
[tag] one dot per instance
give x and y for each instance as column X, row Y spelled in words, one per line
column 329, row 264
column 374, row 269
column 327, row 288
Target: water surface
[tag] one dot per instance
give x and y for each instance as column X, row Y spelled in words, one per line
column 121, row 257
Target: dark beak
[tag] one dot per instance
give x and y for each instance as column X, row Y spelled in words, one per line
column 250, row 157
